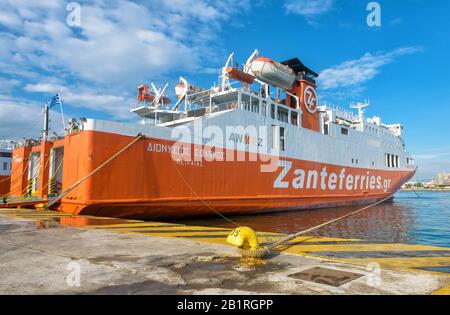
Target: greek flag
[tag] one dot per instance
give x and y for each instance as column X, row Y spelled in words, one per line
column 54, row 101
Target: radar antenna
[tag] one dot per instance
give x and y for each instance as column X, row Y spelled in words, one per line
column 360, row 107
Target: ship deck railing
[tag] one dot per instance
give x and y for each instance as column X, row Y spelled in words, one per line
column 215, row 101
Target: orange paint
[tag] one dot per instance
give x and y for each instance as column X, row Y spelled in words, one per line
column 309, row 120
column 145, row 95
column 5, row 182
column 44, row 166
column 19, row 173
column 239, row 75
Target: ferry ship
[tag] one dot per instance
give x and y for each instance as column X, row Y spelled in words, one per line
column 256, row 142
column 5, row 167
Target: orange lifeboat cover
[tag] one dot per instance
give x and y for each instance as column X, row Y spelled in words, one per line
column 239, row 75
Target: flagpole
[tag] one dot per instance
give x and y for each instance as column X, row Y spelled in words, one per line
column 45, row 133
column 62, row 112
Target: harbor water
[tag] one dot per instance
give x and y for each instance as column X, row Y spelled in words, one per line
column 407, row 219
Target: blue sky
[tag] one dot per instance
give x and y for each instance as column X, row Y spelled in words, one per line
column 402, row 67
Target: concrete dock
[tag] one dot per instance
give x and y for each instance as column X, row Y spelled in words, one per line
column 43, row 252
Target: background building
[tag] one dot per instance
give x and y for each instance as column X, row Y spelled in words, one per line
column 5, row 158
column 443, row 179
column 5, row 166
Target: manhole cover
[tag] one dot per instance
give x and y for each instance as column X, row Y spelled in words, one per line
column 331, row 277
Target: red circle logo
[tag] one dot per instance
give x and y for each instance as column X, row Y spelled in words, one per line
column 310, row 98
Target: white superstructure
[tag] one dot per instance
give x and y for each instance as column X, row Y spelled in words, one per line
column 343, row 137
column 5, row 158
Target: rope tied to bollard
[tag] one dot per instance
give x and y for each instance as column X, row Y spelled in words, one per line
column 254, row 251
column 93, row 172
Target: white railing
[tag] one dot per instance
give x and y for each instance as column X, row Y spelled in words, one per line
column 6, row 146
column 263, row 106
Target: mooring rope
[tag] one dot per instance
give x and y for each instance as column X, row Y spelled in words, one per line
column 201, row 199
column 33, row 177
column 258, row 253
column 5, row 179
column 16, row 180
column 54, row 175
column 80, row 181
column 416, row 193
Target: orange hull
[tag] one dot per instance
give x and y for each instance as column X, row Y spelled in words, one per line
column 163, row 209
column 145, row 182
column 4, row 185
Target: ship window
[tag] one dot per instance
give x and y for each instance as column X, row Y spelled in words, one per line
column 282, row 139
column 295, row 102
column 5, row 166
column 344, row 131
column 282, row 115
column 264, row 108
column 397, row 164
column 392, row 160
column 272, row 111
column 294, row 118
column 6, row 154
column 255, row 105
column 388, row 160
column 274, row 136
column 326, row 129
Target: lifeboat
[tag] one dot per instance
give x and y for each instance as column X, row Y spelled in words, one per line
column 183, row 88
column 165, row 100
column 145, row 95
column 239, row 75
column 180, row 89
column 272, row 72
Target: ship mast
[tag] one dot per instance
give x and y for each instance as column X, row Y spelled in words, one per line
column 46, row 122
column 360, row 107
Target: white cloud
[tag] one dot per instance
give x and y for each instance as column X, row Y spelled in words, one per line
column 6, row 85
column 433, row 154
column 9, row 20
column 308, row 8
column 432, row 162
column 119, row 45
column 23, row 118
column 396, row 21
column 81, row 97
column 118, row 40
column 354, row 73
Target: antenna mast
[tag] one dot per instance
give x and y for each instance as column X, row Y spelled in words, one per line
column 360, row 107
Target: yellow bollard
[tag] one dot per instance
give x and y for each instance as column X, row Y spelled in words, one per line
column 243, row 237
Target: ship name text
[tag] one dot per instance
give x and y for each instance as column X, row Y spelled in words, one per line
column 326, row 180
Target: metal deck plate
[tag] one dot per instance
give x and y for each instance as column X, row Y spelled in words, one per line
column 332, row 277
